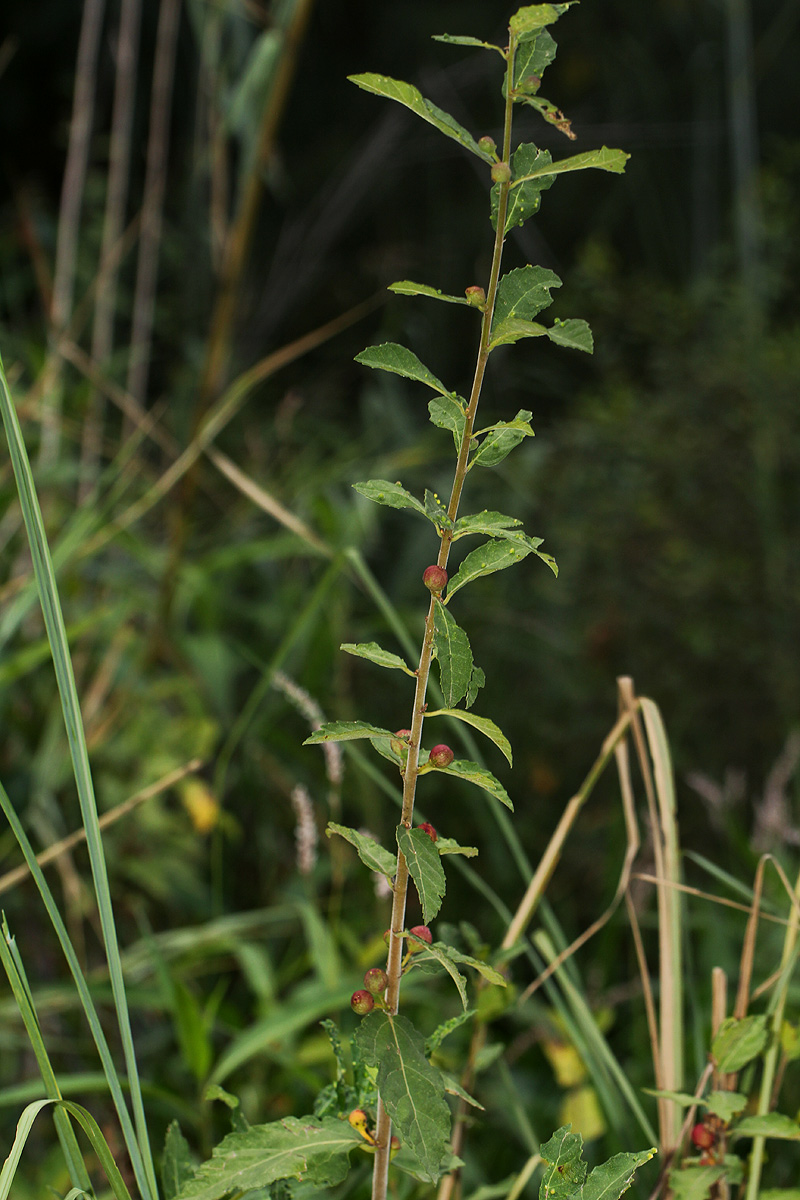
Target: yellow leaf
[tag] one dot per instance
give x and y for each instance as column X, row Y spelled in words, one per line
column 581, row 1110
column 567, row 1065
column 200, row 804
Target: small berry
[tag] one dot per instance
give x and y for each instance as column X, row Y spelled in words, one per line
column 376, row 981
column 702, row 1137
column 362, row 1002
column 441, row 756
column 476, row 296
column 487, row 144
column 434, row 578
column 397, row 743
column 423, row 933
column 394, row 1146
column 501, row 173
column 431, row 832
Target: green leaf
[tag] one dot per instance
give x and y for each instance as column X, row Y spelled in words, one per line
column 483, row 968
column 490, row 523
column 406, row 287
column 779, row 1194
column 391, row 494
column 435, row 1040
column 574, row 334
column 447, row 412
column 407, row 94
column 609, row 1180
column 425, row 867
column 501, row 440
column 411, row 1089
column 383, row 746
column 523, row 293
column 453, row 1088
column 395, row 358
column 528, row 162
column 345, row 731
column 486, row 726
column 512, row 330
column 470, row 772
column 533, row 57
column 459, row 40
column 450, row 846
column 376, row 654
column 738, row 1042
column 694, row 1183
column 725, row 1105
column 771, row 1125
column 437, row 512
column 565, row 1170
column 177, row 1166
column 371, row 853
column 437, row 953
column 477, row 681
column 308, row 1149
column 533, row 17
column 488, row 558
column 452, row 649
column 603, row 159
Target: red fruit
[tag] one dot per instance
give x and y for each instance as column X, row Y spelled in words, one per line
column 423, row 933
column 362, row 1002
column 441, row 756
column 376, row 981
column 702, row 1137
column 435, row 579
column 431, row 832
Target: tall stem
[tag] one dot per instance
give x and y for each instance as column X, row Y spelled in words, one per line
column 383, row 1130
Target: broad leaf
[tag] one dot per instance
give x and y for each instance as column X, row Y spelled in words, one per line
column 528, row 162
column 406, row 287
column 564, row 1169
column 411, row 97
column 411, row 1089
column 609, row 1180
column 177, row 1166
column 396, row 358
column 381, row 491
column 533, row 17
column 448, row 413
column 725, row 1105
column 738, row 1042
column 384, row 747
column 372, row 853
column 523, row 293
column 452, row 650
column 425, row 867
column 437, row 512
column 376, row 654
column 460, row 40
column 603, row 159
column 501, row 440
column 311, row 1150
column 694, row 1183
column 470, row 772
column 533, row 57
column 484, row 724
column 513, row 330
column 488, row 558
column 345, row 731
column 437, row 953
column 486, row 522
column 574, row 334
column 771, row 1125
column 483, row 968
column 450, row 846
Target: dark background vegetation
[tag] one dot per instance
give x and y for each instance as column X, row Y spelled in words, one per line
column 665, row 478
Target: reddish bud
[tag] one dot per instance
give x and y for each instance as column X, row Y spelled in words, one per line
column 487, row 144
column 441, row 756
column 501, row 173
column 400, row 747
column 435, row 579
column 431, row 832
column 476, row 296
column 423, row 933
column 362, row 1002
column 376, row 981
column 394, row 1146
column 702, row 1137
column 532, row 83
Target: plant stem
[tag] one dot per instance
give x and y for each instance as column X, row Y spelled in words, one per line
column 383, row 1130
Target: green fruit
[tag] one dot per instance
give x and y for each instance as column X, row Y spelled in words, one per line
column 376, row 981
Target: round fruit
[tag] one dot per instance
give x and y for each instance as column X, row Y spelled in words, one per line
column 435, row 579
column 423, row 933
column 501, row 173
column 476, row 296
column 702, row 1137
column 487, row 144
column 376, row 981
column 441, row 756
column 362, row 1002
column 431, row 832
column 398, row 742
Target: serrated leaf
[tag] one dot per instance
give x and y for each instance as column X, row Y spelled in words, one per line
column 513, row 330
column 381, row 491
column 603, row 159
column 400, row 361
column 489, row 973
column 407, row 287
column 454, row 655
column 533, row 17
column 425, row 867
column 523, row 293
column 488, row 558
column 476, row 682
column 376, row 654
column 486, row 726
column 437, row 512
column 442, row 1031
column 527, row 162
column 484, row 522
column 450, row 846
column 459, row 40
column 564, row 1169
column 738, row 1042
column 694, row 1183
column 610, row 1179
column 177, row 1166
column 470, row 772
column 411, row 1089
column 438, row 953
column 345, row 731
column 574, row 334
column 372, row 853
column 311, row 1150
column 411, row 97
column 771, row 1125
column 447, row 413
column 501, row 440
column 725, row 1105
